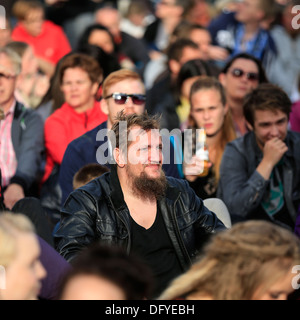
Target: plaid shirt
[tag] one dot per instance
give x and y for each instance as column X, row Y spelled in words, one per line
column 8, row 160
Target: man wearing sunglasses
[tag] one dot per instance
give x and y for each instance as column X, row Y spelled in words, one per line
column 240, row 76
column 122, row 90
column 260, row 172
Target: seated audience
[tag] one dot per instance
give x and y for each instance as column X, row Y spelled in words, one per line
column 79, row 78
column 122, row 90
column 48, row 40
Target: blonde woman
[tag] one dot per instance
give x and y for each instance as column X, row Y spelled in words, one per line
column 251, row 261
column 21, row 269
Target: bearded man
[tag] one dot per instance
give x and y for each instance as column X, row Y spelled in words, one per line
column 158, row 218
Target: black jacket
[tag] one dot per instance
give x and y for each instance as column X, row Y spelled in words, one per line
column 97, row 211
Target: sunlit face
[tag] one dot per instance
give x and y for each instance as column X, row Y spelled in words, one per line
column 25, row 272
column 208, row 111
column 111, row 108
column 101, row 39
column 33, row 22
column 238, row 87
column 203, row 39
column 78, row 89
column 269, row 125
column 280, row 290
column 91, row 287
column 144, row 153
column 29, row 62
column 7, row 82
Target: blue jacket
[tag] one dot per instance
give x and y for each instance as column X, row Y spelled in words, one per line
column 226, row 32
column 98, row 211
column 87, row 149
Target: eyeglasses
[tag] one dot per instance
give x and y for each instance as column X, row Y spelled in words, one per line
column 238, row 73
column 122, row 98
column 6, row 76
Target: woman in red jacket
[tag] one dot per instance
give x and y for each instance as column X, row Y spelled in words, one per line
column 79, row 78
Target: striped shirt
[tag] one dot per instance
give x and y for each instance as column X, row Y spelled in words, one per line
column 8, row 160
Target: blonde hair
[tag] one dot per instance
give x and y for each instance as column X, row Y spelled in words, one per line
column 118, row 76
column 237, row 262
column 10, row 225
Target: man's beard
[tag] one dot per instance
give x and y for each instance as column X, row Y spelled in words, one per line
column 148, row 188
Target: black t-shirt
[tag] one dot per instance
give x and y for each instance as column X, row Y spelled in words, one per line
column 155, row 248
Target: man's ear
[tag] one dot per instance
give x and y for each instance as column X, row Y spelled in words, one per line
column 119, row 157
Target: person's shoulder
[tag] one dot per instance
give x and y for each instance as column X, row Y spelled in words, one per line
column 89, row 137
column 180, row 184
column 96, row 189
column 25, row 113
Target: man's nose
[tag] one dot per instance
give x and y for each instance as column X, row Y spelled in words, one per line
column 274, row 131
column 129, row 106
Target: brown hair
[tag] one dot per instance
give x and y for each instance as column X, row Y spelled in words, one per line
column 266, row 96
column 118, row 76
column 228, row 133
column 21, row 8
column 237, row 262
column 88, row 173
column 144, row 121
column 83, row 61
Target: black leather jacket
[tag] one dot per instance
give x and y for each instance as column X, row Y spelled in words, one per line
column 97, row 211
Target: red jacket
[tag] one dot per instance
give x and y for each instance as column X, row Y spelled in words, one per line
column 65, row 125
column 51, row 44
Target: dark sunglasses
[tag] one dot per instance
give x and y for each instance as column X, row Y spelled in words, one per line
column 238, row 73
column 122, row 98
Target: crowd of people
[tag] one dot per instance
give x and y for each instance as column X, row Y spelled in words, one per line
column 104, row 194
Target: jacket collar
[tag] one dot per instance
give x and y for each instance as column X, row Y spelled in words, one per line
column 19, row 108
